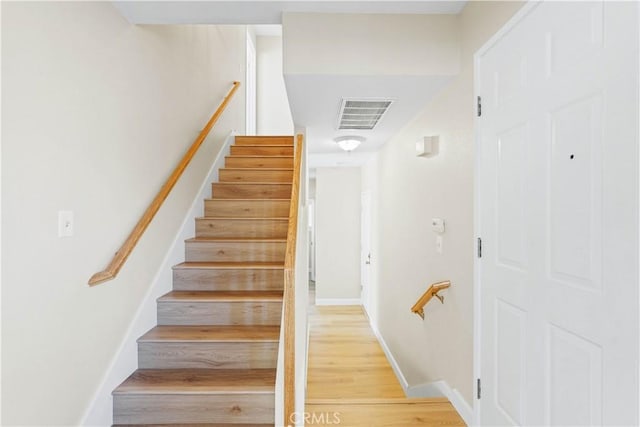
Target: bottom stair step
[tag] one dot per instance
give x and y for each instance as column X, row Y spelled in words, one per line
column 194, row 425
column 192, row 396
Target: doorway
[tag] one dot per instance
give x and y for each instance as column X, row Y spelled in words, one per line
column 365, row 251
column 251, row 92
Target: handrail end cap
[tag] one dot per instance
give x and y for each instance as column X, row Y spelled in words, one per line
column 101, row 277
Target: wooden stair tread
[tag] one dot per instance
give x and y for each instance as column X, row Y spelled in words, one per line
column 222, row 333
column 247, row 200
column 199, row 381
column 236, row 239
column 259, row 156
column 378, row 401
column 193, row 425
column 252, row 183
column 261, row 145
column 230, row 265
column 257, row 169
column 268, row 139
column 221, row 296
column 241, row 218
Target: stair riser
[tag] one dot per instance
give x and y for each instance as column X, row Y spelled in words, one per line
column 207, row 227
column 255, row 175
column 219, row 313
column 259, row 162
column 235, row 251
column 247, row 150
column 261, row 140
column 250, row 191
column 246, row 208
column 203, row 355
column 193, row 408
column 228, row 280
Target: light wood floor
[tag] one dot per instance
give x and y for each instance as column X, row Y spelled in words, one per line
column 350, row 381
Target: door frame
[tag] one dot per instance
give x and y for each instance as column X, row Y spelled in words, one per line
column 251, row 79
column 477, row 201
column 638, row 137
column 312, row 238
column 365, row 294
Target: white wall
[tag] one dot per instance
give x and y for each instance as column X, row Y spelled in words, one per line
column 274, row 114
column 337, row 233
column 312, row 188
column 408, row 192
column 365, row 45
column 96, row 114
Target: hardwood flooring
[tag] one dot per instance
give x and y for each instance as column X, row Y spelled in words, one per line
column 350, row 381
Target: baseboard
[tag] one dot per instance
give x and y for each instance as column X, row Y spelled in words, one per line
column 458, row 402
column 100, row 411
column 431, row 389
column 390, row 358
column 338, row 301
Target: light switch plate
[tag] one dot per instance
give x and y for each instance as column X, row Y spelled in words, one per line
column 65, row 223
column 439, row 244
column 437, row 225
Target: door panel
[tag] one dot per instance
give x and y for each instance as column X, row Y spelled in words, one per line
column 365, row 249
column 558, row 215
column 511, row 355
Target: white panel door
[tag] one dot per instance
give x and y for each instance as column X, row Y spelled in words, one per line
column 365, row 249
column 558, row 217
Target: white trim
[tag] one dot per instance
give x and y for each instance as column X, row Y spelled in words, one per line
column 100, row 410
column 251, row 79
column 390, row 358
column 338, row 301
column 477, row 285
column 462, row 407
column 638, row 141
column 1, row 382
column 431, row 389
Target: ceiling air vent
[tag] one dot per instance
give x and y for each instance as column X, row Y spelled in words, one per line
column 362, row 114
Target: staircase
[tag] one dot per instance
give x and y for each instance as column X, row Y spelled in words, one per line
column 212, row 357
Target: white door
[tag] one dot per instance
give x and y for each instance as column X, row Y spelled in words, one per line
column 250, row 110
column 365, row 248
column 558, row 217
column 312, row 239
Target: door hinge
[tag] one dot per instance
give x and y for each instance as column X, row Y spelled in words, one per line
column 479, row 106
column 479, row 247
column 479, row 391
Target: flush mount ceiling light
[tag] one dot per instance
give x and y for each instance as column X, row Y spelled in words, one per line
column 349, row 143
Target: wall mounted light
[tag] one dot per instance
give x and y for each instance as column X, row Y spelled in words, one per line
column 427, row 146
column 349, row 143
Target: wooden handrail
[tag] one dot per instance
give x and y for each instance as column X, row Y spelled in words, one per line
column 433, row 290
column 289, row 298
column 127, row 247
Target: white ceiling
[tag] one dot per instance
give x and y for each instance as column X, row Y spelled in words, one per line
column 315, row 102
column 315, row 99
column 266, row 12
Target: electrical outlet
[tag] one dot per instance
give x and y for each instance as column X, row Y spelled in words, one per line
column 65, row 223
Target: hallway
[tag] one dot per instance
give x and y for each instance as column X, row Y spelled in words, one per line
column 350, row 381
